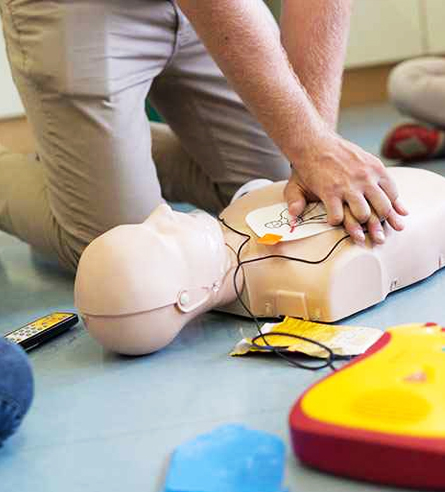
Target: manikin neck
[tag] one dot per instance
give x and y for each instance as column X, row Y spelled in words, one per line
column 227, row 293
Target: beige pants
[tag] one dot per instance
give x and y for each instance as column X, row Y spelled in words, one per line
column 417, row 88
column 84, row 69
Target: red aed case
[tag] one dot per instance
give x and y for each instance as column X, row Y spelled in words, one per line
column 381, row 418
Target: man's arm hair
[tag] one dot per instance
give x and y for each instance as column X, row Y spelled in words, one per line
column 245, row 41
column 315, row 34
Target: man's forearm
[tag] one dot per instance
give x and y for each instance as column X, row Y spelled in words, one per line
column 246, row 44
column 315, row 34
column 354, row 185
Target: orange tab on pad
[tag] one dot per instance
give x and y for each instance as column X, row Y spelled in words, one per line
column 270, row 239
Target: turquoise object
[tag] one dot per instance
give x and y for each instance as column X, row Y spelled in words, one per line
column 152, row 114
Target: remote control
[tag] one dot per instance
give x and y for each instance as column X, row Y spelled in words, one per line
column 42, row 329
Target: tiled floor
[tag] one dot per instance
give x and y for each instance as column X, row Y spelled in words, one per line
column 106, row 423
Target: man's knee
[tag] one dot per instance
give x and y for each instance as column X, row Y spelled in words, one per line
column 69, row 248
column 270, row 165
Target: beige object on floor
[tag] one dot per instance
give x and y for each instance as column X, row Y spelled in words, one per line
column 417, row 88
column 138, row 285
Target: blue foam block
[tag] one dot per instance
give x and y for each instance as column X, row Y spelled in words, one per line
column 232, row 458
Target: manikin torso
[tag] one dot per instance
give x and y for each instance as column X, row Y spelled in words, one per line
column 138, row 285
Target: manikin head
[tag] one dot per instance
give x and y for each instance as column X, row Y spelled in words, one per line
column 138, row 285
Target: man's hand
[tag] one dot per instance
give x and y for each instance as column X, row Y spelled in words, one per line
column 245, row 42
column 353, row 184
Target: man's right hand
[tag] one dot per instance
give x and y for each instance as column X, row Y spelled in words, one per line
column 354, row 185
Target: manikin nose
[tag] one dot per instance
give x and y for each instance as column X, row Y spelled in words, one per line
column 162, row 213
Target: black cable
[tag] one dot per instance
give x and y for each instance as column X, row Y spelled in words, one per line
column 279, row 350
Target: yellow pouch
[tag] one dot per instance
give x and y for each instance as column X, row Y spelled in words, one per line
column 341, row 339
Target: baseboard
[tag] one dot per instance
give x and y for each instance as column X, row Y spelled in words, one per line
column 16, row 134
column 365, row 85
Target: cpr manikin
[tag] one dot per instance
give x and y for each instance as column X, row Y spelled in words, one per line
column 137, row 286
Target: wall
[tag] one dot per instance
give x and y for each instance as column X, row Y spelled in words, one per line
column 10, row 104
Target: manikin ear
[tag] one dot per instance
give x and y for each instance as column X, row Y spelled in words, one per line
column 192, row 299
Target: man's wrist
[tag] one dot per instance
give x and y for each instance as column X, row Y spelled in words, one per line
column 308, row 140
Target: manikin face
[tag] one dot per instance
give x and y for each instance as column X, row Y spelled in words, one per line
column 171, row 258
column 181, row 227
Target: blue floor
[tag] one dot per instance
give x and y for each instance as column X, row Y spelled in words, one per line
column 106, row 423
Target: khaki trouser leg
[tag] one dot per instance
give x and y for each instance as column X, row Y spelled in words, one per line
column 83, row 71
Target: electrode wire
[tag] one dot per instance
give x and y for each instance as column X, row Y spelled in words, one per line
column 279, row 350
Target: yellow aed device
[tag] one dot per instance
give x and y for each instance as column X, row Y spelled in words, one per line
column 381, row 418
